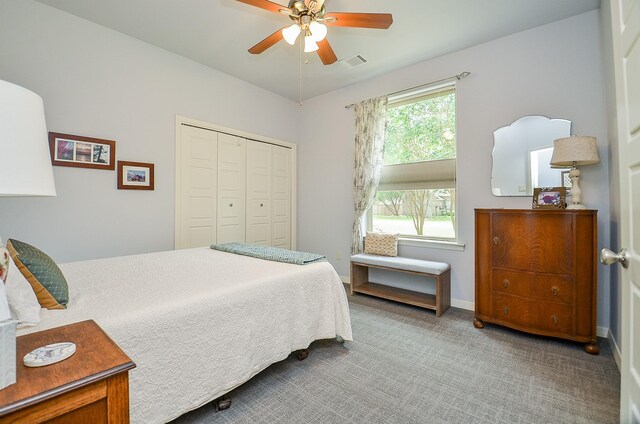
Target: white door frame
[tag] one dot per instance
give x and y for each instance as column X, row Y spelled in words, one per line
column 180, row 120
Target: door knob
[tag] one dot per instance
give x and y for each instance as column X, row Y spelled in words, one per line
column 608, row 257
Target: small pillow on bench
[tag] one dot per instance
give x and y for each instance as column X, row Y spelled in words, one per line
column 383, row 244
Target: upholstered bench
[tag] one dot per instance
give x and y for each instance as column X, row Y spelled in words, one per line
column 439, row 271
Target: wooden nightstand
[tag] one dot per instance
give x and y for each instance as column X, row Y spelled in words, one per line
column 92, row 386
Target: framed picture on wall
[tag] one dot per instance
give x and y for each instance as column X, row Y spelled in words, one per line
column 82, row 152
column 135, row 175
column 549, row 198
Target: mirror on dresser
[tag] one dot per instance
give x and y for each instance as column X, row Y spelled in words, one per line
column 521, row 155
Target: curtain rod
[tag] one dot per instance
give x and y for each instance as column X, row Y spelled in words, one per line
column 456, row 77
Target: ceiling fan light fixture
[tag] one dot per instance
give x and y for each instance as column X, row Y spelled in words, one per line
column 290, row 33
column 310, row 44
column 318, row 31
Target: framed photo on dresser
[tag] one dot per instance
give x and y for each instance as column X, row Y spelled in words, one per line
column 549, row 198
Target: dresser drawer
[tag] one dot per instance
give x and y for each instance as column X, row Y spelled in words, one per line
column 551, row 317
column 552, row 288
column 511, row 309
column 511, row 282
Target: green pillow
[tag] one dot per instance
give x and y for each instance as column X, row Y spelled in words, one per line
column 43, row 274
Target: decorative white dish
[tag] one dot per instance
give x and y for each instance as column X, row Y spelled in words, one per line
column 49, row 354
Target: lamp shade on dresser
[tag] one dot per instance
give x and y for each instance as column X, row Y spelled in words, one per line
column 536, row 272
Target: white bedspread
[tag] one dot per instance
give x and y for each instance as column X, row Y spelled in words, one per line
column 200, row 322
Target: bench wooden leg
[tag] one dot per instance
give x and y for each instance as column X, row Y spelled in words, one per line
column 359, row 275
column 443, row 292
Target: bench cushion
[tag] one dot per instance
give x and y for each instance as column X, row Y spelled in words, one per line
column 407, row 264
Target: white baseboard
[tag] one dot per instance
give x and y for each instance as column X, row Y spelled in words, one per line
column 615, row 349
column 602, row 332
column 463, row 304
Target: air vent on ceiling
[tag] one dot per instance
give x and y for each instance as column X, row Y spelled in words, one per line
column 353, row 61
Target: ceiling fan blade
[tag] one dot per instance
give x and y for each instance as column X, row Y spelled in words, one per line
column 267, row 42
column 267, row 5
column 327, row 56
column 359, row 20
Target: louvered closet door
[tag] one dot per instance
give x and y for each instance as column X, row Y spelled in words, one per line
column 231, row 188
column 198, row 182
column 258, row 193
column 281, row 197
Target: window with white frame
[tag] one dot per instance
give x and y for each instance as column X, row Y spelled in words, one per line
column 417, row 192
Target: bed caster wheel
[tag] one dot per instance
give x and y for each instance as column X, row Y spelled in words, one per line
column 302, row 354
column 222, row 403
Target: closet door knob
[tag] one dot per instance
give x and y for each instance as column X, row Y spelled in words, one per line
column 496, row 240
column 505, row 310
column 555, row 290
column 230, row 205
column 261, row 205
column 554, row 318
column 505, row 283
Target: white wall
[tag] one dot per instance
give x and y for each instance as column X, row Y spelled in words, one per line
column 554, row 70
column 99, row 83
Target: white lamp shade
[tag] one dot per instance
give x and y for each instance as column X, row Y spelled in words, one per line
column 575, row 151
column 25, row 162
column 290, row 33
column 309, row 44
column 318, row 31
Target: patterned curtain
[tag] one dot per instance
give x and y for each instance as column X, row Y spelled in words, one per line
column 371, row 123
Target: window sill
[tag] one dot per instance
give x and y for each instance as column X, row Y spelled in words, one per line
column 432, row 244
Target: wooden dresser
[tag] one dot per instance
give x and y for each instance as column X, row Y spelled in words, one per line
column 536, row 272
column 92, row 386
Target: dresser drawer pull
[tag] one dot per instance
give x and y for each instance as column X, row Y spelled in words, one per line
column 554, row 318
column 505, row 310
column 555, row 290
column 496, row 240
column 505, row 283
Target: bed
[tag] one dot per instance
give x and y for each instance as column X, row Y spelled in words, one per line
column 200, row 322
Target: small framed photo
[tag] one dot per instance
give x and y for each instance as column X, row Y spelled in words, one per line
column 135, row 175
column 566, row 180
column 82, row 152
column 549, row 198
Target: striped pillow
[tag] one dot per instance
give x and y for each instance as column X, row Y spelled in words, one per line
column 383, row 244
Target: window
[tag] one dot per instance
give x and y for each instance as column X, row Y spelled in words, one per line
column 417, row 192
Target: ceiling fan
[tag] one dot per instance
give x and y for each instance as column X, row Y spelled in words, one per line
column 310, row 19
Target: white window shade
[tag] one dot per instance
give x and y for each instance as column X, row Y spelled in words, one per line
column 432, row 174
column 421, row 95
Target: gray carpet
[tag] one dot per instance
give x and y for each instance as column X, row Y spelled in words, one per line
column 407, row 366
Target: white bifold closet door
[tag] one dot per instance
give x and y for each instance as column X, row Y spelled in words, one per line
column 281, row 197
column 259, row 193
column 232, row 189
column 232, row 170
column 198, row 181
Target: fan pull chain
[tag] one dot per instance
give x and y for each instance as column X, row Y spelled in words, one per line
column 300, row 76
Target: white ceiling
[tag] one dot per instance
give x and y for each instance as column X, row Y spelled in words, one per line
column 217, row 33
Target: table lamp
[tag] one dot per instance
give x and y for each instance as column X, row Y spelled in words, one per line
column 25, row 170
column 572, row 152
